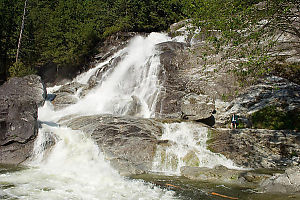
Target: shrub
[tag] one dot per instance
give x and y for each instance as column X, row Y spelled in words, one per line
column 19, row 69
column 271, row 117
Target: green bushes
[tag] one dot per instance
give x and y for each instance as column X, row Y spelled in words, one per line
column 271, row 117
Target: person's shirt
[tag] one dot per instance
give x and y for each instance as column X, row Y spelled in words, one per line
column 233, row 118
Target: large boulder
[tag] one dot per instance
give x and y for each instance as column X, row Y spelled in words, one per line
column 19, row 101
column 128, row 143
column 289, row 182
column 257, row 148
column 197, row 107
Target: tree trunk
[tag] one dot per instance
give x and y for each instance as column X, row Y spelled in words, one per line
column 21, row 31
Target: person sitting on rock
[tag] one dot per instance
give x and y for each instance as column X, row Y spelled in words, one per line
column 233, row 121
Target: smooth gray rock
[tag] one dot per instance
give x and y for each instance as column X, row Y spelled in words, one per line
column 19, row 101
column 67, row 95
column 128, row 143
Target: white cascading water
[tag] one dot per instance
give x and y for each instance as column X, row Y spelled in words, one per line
column 186, row 147
column 133, row 81
column 73, row 168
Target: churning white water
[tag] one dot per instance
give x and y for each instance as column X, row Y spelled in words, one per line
column 186, row 147
column 74, row 169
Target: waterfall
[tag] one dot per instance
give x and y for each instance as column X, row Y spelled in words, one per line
column 186, row 147
column 130, row 88
column 67, row 164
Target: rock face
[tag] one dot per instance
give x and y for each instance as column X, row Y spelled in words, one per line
column 176, row 100
column 169, row 102
column 257, row 148
column 19, row 100
column 289, row 182
column 128, row 143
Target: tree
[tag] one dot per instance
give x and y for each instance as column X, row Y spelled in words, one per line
column 249, row 29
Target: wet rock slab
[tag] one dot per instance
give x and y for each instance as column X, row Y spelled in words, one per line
column 221, row 174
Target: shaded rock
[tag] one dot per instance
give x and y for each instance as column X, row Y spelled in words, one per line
column 257, row 148
column 19, row 101
column 196, row 107
column 128, row 143
column 169, row 100
column 29, row 87
column 289, row 182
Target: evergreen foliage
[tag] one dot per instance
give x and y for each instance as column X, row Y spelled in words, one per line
column 65, row 32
